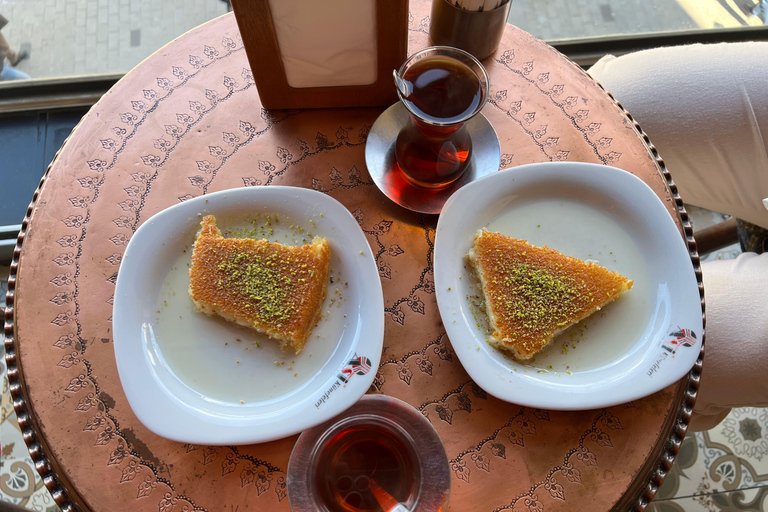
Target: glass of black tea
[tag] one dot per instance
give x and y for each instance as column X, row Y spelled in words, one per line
column 381, row 455
column 442, row 88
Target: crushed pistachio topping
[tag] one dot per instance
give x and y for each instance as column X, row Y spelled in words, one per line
column 262, row 277
column 537, row 297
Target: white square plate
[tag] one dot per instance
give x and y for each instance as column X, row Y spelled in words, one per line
column 644, row 341
column 202, row 380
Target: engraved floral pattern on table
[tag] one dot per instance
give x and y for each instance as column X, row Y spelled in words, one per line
column 188, row 122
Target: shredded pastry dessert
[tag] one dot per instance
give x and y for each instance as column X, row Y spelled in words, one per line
column 273, row 288
column 532, row 294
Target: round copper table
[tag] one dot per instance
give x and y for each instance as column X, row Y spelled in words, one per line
column 188, row 121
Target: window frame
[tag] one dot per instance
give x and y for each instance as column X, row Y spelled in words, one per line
column 79, row 91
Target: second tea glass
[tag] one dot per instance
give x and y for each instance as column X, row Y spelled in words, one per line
column 442, row 88
column 381, row 455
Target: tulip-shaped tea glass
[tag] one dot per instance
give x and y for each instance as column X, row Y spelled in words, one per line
column 381, row 455
column 442, row 88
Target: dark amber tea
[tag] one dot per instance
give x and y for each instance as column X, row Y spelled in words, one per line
column 381, row 455
column 365, row 468
column 441, row 91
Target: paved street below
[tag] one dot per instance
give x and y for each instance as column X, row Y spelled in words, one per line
column 553, row 20
column 568, row 19
column 85, row 37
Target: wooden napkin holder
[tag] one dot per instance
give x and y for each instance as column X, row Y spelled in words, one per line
column 261, row 42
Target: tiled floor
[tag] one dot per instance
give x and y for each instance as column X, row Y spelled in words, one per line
column 724, row 469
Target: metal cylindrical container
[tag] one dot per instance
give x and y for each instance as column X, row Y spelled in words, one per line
column 477, row 32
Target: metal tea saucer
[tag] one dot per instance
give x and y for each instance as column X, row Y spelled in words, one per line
column 380, row 159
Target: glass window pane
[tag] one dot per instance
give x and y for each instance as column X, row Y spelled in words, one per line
column 66, row 38
column 554, row 20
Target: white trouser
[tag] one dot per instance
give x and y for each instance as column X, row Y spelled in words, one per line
column 705, row 108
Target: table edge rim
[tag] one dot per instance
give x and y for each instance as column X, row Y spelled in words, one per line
column 639, row 495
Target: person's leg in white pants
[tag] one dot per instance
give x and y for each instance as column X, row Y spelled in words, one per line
column 705, row 108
